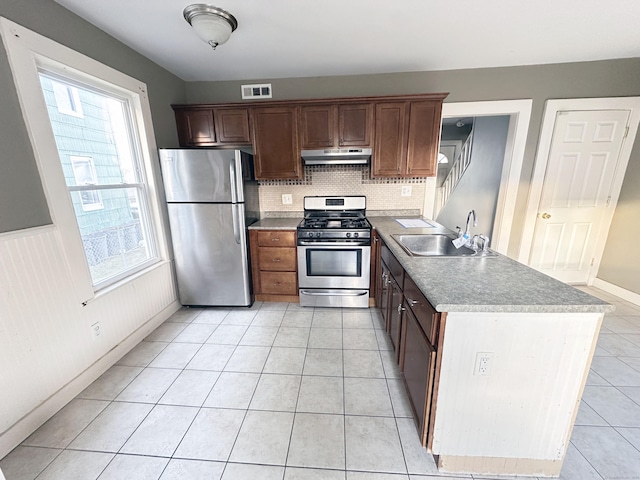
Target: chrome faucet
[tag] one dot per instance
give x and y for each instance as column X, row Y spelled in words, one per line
column 475, row 223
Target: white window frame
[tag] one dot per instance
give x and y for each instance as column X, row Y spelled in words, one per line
column 27, row 51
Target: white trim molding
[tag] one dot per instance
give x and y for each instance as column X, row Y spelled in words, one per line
column 551, row 110
column 623, row 293
column 520, row 113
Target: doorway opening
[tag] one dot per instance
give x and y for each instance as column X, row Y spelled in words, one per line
column 518, row 113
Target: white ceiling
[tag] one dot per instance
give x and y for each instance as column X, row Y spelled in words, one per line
column 298, row 38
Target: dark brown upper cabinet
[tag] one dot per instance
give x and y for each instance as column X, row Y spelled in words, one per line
column 407, row 135
column 195, row 128
column 317, row 126
column 334, row 126
column 355, row 123
column 275, row 142
column 403, row 131
column 232, row 125
column 390, row 147
column 210, row 127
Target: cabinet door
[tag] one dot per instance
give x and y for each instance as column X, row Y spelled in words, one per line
column 232, row 125
column 355, row 123
column 195, row 128
column 390, row 146
column 384, row 281
column 275, row 142
column 375, row 269
column 423, row 138
column 418, row 368
column 395, row 316
column 318, row 126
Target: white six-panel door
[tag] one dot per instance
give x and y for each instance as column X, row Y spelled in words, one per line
column 584, row 155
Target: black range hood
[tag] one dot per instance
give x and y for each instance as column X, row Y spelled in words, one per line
column 337, row 156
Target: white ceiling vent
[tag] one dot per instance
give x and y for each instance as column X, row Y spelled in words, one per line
column 256, row 91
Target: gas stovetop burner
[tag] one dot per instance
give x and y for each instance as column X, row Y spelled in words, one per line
column 331, row 223
column 334, row 219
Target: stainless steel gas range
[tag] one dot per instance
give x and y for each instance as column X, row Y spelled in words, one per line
column 334, row 252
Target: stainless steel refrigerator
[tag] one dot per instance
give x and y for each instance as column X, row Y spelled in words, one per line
column 211, row 199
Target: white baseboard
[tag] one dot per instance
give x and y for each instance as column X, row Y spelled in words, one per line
column 627, row 295
column 24, row 427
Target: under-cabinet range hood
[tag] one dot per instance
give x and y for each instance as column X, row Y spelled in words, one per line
column 337, row 156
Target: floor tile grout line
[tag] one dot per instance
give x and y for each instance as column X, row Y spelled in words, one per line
column 344, row 404
column 246, row 411
column 160, row 398
column 625, row 438
column 586, row 460
column 295, row 411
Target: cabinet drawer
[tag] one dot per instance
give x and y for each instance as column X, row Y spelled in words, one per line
column 425, row 314
column 276, row 238
column 278, row 259
column 394, row 266
column 279, row 283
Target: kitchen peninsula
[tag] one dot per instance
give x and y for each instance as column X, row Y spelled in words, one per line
column 511, row 350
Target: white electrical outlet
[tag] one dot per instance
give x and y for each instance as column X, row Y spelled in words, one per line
column 406, row 191
column 287, row 199
column 483, row 363
column 96, row 329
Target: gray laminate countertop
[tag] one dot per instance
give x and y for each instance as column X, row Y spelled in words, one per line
column 276, row 224
column 489, row 284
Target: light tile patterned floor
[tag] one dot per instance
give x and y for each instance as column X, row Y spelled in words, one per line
column 289, row 393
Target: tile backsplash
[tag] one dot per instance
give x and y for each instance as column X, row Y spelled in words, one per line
column 382, row 194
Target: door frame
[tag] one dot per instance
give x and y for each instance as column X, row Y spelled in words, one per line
column 520, row 115
column 552, row 107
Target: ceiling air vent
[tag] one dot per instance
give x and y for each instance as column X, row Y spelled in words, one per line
column 250, row 92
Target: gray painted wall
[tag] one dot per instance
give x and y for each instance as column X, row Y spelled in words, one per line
column 22, row 200
column 479, row 186
column 609, row 78
column 620, row 264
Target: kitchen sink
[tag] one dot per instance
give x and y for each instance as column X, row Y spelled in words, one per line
column 436, row 245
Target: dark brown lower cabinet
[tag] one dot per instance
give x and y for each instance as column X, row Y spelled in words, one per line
column 384, row 288
column 394, row 323
column 417, row 363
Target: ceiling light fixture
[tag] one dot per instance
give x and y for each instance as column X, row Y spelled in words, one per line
column 212, row 24
column 460, row 123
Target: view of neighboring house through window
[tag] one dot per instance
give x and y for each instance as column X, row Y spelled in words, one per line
column 99, row 150
column 84, row 172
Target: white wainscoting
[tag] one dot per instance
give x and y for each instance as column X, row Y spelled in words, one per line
column 47, row 351
column 526, row 406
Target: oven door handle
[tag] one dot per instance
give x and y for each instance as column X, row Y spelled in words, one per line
column 343, row 293
column 309, row 243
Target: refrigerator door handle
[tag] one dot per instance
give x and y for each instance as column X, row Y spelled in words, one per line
column 234, row 185
column 236, row 227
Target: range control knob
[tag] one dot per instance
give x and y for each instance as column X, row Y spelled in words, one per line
column 355, row 234
column 310, row 234
column 318, row 234
column 348, row 234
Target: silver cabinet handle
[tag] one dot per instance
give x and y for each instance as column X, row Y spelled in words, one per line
column 400, row 309
column 412, row 303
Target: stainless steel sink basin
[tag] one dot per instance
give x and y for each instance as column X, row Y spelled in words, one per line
column 435, row 245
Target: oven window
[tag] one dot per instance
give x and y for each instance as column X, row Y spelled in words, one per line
column 334, row 263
